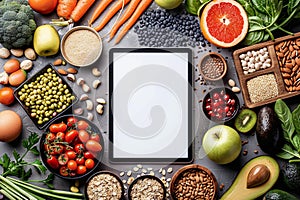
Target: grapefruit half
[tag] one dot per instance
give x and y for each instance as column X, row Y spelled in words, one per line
column 224, row 23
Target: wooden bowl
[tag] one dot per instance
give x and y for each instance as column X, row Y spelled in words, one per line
column 198, row 177
column 212, row 72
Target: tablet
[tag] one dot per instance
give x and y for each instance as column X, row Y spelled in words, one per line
column 150, row 115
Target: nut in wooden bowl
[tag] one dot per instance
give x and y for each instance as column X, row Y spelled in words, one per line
column 213, row 66
column 193, row 182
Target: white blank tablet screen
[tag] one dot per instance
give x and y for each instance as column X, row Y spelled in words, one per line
column 150, row 105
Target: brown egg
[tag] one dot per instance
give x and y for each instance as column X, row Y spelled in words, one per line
column 10, row 126
column 16, row 78
column 11, row 65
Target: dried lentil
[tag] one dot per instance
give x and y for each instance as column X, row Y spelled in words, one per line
column 147, row 188
column 262, row 87
column 104, row 186
column 212, row 67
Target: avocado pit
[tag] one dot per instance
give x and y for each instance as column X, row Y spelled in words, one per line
column 258, row 175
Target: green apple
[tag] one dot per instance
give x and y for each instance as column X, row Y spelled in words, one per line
column 222, row 144
column 168, row 4
column 46, row 40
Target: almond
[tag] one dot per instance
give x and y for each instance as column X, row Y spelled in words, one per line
column 57, row 62
column 62, row 72
column 72, row 70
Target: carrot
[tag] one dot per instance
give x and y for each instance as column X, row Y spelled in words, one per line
column 129, row 10
column 65, row 7
column 80, row 9
column 111, row 12
column 132, row 20
column 99, row 9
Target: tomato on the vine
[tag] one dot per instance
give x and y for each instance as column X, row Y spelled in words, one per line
column 93, row 146
column 81, row 169
column 72, row 165
column 60, row 136
column 52, row 162
column 60, row 127
column 63, row 170
column 83, row 135
column 63, row 159
column 71, row 121
column 56, row 149
column 80, row 160
column 89, row 163
column 71, row 135
column 79, row 148
column 50, row 137
column 82, row 125
column 71, row 154
column 95, row 137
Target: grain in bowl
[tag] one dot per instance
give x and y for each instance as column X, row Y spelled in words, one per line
column 81, row 46
column 104, row 185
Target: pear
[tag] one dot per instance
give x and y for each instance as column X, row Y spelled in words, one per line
column 46, row 40
column 168, row 4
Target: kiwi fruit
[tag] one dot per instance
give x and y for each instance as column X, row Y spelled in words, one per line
column 245, row 120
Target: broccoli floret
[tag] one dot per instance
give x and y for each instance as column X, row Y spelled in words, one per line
column 17, row 23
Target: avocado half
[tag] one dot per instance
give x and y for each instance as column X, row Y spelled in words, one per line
column 239, row 190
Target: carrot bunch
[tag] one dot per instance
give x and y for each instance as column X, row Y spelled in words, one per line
column 132, row 13
column 72, row 10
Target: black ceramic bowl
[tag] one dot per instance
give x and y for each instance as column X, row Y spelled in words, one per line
column 220, row 104
column 50, row 148
column 40, row 100
column 105, row 177
column 142, row 179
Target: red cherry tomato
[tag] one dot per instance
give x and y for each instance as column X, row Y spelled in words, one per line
column 80, row 160
column 95, row 137
column 71, row 121
column 60, row 136
column 63, row 159
column 71, row 135
column 52, row 162
column 82, row 125
column 60, row 127
column 88, row 155
column 89, row 163
column 71, row 154
column 81, row 169
column 64, row 171
column 72, row 165
column 92, row 145
column 83, row 135
column 50, row 137
column 79, row 148
column 56, row 149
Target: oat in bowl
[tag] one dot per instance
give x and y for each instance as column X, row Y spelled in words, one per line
column 104, row 185
column 81, row 46
column 193, row 182
column 147, row 187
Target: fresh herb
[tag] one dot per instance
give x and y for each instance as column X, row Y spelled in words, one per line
column 19, row 167
column 290, row 123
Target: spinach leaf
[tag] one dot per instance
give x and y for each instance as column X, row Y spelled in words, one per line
column 261, row 5
column 192, row 6
column 285, row 116
column 248, row 6
column 288, row 152
column 296, row 142
column 296, row 119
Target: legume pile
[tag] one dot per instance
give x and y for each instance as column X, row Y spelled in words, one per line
column 212, row 67
column 158, row 28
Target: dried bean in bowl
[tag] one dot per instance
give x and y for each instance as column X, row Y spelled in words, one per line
column 193, row 182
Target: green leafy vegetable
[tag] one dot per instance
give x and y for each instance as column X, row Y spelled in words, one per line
column 192, row 6
column 17, row 166
column 290, row 126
